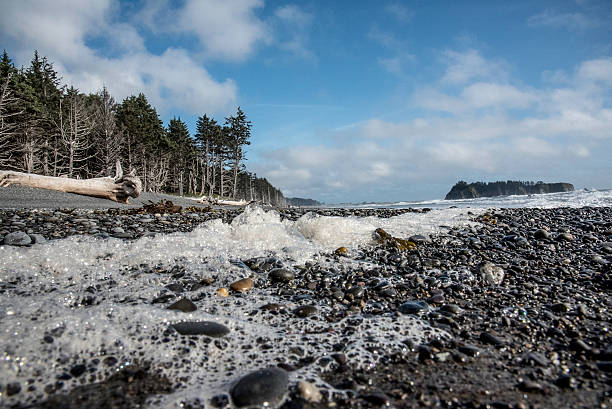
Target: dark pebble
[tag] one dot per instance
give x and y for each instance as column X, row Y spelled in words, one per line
column 184, row 305
column 78, row 370
column 209, row 328
column 530, row 386
column 17, row 238
column 281, row 275
column 413, row 307
column 260, row 387
column 305, row 311
column 605, row 366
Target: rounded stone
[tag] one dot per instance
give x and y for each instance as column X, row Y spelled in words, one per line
column 17, row 238
column 264, row 387
column 492, row 274
column 208, row 328
column 305, row 311
column 413, row 307
column 309, row 392
column 281, row 275
column 184, row 305
column 242, row 286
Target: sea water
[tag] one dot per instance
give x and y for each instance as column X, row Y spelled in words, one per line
column 577, row 198
column 44, row 285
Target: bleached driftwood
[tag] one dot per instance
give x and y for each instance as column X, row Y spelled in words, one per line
column 119, row 189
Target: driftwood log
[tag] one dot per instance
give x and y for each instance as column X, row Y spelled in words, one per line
column 119, row 189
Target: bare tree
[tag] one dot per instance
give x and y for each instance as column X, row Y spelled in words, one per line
column 8, row 128
column 106, row 133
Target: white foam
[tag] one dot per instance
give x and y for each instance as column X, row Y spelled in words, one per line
column 45, row 285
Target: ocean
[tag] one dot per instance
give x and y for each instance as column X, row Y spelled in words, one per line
column 80, row 300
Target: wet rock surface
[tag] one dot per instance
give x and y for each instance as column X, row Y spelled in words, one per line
column 524, row 295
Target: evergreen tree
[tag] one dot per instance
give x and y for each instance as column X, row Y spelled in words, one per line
column 182, row 152
column 146, row 146
column 239, row 133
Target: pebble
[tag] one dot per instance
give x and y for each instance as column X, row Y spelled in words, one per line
column 413, row 307
column 222, row 292
column 281, row 275
column 242, row 286
column 208, row 328
column 17, row 238
column 184, row 305
column 264, row 387
column 305, row 311
column 309, row 392
column 491, row 273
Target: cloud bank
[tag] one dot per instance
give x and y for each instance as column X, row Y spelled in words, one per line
column 472, row 127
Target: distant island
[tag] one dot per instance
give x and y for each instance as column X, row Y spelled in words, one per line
column 463, row 190
column 298, row 201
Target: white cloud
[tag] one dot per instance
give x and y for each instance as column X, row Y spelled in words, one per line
column 495, row 130
column 468, row 65
column 599, row 70
column 572, row 21
column 227, row 29
column 60, row 30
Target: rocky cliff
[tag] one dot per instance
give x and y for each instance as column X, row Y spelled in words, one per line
column 463, row 190
column 298, row 201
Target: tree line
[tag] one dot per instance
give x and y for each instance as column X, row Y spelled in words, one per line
column 52, row 129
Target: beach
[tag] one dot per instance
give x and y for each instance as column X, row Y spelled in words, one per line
column 406, row 308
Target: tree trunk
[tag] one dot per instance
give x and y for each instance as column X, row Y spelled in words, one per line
column 119, row 189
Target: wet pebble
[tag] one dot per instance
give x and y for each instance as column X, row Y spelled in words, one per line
column 242, row 286
column 262, row 387
column 184, row 305
column 17, row 238
column 413, row 307
column 208, row 328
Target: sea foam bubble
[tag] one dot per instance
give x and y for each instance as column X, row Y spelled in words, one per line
column 80, row 300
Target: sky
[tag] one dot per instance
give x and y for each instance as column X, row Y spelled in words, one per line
column 355, row 101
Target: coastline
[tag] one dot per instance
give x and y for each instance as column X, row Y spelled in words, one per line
column 536, row 337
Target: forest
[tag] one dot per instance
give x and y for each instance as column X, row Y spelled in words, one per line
column 52, row 129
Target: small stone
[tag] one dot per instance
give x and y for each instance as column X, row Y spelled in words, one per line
column 536, row 358
column 305, row 311
column 309, row 392
column 219, row 401
column 13, row 389
column 184, row 304
column 281, row 275
column 37, row 238
column 469, row 350
column 560, row 307
column 264, row 387
column 272, row 307
column 78, row 370
column 489, row 338
column 566, row 381
column 208, row 328
column 222, row 292
column 450, row 309
column 17, row 238
column 605, row 366
column 340, row 251
column 530, row 386
column 565, row 237
column 413, row 307
column 491, row 273
column 242, row 286
column 541, row 234
column 377, row 398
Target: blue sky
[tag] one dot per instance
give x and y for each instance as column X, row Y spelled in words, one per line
column 356, row 100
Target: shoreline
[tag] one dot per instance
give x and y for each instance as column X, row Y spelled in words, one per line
column 536, row 337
